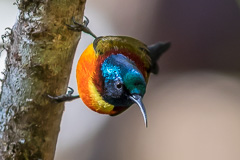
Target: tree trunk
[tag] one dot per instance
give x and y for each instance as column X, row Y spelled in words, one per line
column 40, row 52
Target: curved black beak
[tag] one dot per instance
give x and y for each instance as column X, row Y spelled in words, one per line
column 138, row 99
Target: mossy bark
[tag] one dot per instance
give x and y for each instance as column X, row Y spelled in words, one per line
column 39, row 59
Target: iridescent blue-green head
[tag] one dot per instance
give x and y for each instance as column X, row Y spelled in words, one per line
column 124, row 83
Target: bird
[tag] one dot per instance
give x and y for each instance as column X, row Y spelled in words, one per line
column 113, row 71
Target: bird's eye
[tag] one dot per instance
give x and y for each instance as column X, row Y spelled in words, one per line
column 119, row 85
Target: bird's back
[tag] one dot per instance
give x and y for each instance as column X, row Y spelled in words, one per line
column 128, row 46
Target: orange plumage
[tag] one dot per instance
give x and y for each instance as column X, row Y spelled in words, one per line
column 86, row 70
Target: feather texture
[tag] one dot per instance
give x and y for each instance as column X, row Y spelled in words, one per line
column 92, row 80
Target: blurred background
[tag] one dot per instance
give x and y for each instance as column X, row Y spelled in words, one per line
column 193, row 104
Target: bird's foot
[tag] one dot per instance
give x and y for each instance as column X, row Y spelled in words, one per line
column 78, row 27
column 65, row 97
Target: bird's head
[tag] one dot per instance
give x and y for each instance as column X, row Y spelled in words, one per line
column 124, row 84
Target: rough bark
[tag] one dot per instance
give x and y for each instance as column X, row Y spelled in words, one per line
column 39, row 60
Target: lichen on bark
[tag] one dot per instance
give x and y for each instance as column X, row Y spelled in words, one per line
column 39, row 60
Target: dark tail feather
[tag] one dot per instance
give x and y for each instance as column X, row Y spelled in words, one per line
column 156, row 50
